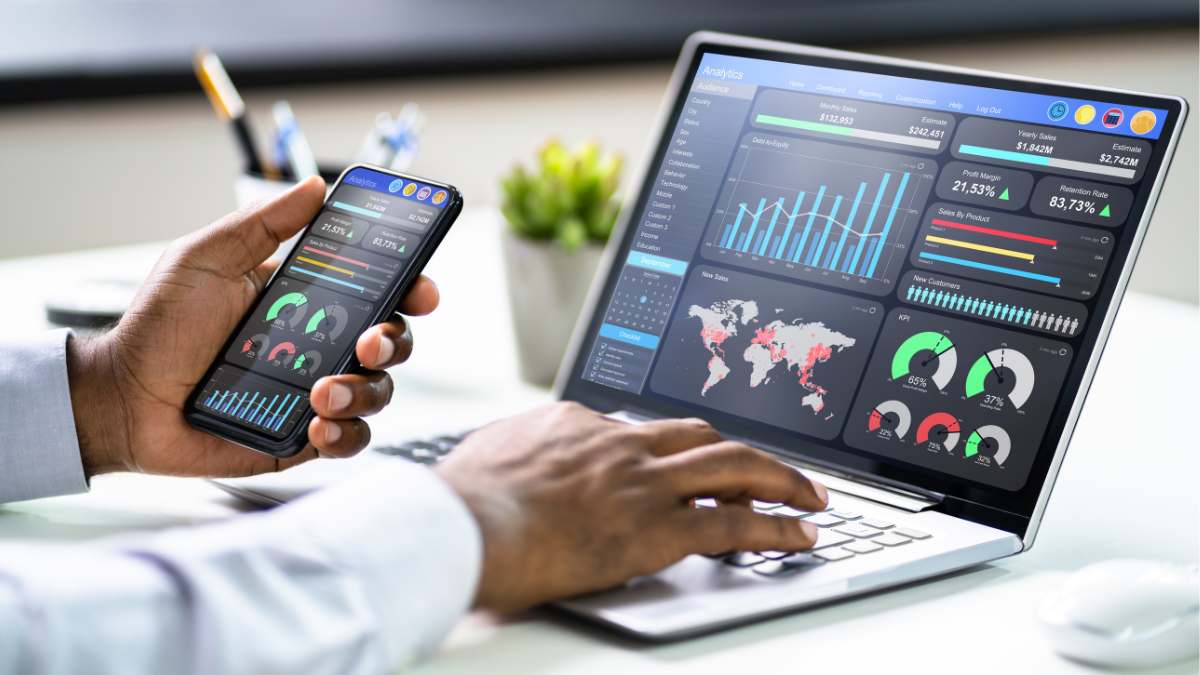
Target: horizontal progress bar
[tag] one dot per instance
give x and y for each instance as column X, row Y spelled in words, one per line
column 934, row 239
column 991, row 268
column 330, row 279
column 358, row 209
column 847, row 131
column 335, row 256
column 327, row 266
column 997, row 233
column 1042, row 160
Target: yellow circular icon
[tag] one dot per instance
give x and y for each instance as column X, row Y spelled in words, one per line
column 439, row 196
column 1084, row 114
column 410, row 189
column 1142, row 122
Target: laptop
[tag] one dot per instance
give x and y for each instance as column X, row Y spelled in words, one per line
column 896, row 276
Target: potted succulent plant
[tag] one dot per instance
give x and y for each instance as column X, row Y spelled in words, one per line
column 559, row 215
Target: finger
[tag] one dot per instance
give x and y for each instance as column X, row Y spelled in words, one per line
column 338, row 438
column 739, row 528
column 308, row 453
column 732, row 471
column 385, row 345
column 421, row 299
column 667, row 437
column 239, row 242
column 343, row 397
column 262, row 274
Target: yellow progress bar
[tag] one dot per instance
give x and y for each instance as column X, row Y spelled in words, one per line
column 979, row 247
column 350, row 273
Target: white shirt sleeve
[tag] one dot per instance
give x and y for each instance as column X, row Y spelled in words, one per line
column 363, row 577
column 39, row 451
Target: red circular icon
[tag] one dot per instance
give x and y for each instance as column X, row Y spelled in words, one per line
column 1112, row 118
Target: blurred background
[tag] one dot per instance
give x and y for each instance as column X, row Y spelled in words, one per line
column 106, row 139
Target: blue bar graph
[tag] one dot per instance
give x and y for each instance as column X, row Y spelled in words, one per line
column 754, row 224
column 762, row 250
column 254, row 408
column 887, row 224
column 837, row 252
column 791, row 221
column 837, row 204
column 812, row 215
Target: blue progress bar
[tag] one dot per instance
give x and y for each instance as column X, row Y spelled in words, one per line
column 995, row 153
column 357, row 209
column 327, row 278
column 991, row 268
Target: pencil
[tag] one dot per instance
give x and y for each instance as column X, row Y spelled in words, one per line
column 228, row 104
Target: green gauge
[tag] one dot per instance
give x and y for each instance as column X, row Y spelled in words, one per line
column 923, row 350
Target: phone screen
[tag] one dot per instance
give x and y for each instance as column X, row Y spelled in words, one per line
column 335, row 283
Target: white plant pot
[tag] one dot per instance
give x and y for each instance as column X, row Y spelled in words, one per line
column 546, row 289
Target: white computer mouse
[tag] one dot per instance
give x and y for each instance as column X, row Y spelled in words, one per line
column 1126, row 613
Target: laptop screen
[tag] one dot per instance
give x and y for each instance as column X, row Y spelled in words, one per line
column 898, row 271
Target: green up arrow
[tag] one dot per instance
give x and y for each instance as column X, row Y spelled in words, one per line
column 1004, row 195
column 1105, row 212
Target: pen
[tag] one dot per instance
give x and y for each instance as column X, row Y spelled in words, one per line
column 229, row 106
column 295, row 145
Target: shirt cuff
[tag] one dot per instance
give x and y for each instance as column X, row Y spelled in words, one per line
column 39, row 450
column 411, row 539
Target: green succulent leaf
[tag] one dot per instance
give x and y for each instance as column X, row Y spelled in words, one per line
column 568, row 195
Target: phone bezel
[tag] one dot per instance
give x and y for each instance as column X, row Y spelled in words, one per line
column 297, row 440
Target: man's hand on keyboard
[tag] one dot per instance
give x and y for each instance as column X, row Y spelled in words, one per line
column 569, row 501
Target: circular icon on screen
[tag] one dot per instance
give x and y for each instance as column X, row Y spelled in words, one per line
column 423, row 193
column 1085, row 113
column 1058, row 110
column 395, row 185
column 1112, row 118
column 410, row 189
column 1142, row 122
column 439, row 196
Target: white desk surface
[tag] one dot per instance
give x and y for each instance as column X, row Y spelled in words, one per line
column 1126, row 489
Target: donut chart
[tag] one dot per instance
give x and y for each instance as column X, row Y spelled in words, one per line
column 289, row 307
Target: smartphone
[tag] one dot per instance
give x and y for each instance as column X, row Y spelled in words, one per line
column 348, row 270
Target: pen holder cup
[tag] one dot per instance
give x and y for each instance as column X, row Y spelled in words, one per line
column 250, row 187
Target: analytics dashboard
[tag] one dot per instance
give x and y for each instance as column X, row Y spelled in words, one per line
column 895, row 267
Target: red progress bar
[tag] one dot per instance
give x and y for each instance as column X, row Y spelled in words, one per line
column 998, row 233
column 335, row 256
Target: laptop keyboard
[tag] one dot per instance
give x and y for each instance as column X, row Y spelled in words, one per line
column 842, row 534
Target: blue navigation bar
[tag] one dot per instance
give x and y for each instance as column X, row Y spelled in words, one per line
column 657, row 263
column 629, row 336
column 1055, row 111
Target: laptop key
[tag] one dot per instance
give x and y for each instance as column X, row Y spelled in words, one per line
column 834, row 554
column 827, row 538
column 845, row 515
column 876, row 523
column 859, row 531
column 862, row 547
column 911, row 533
column 889, row 539
column 706, row 503
column 744, row 559
column 788, row 512
column 824, row 520
column 789, row 565
column 765, row 506
column 774, row 555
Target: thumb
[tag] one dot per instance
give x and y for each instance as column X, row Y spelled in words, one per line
column 237, row 243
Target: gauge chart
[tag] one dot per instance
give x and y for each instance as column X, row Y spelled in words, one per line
column 989, row 444
column 1001, row 370
column 925, row 357
column 890, row 419
column 939, row 432
column 829, row 214
column 978, row 396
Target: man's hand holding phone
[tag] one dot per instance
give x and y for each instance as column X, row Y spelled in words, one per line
column 128, row 387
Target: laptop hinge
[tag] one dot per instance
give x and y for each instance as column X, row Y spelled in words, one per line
column 859, row 486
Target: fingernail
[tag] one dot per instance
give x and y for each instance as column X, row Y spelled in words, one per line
column 822, row 493
column 339, row 398
column 809, row 530
column 333, row 432
column 386, row 349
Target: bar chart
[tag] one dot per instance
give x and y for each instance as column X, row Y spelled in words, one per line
column 834, row 215
column 254, row 402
